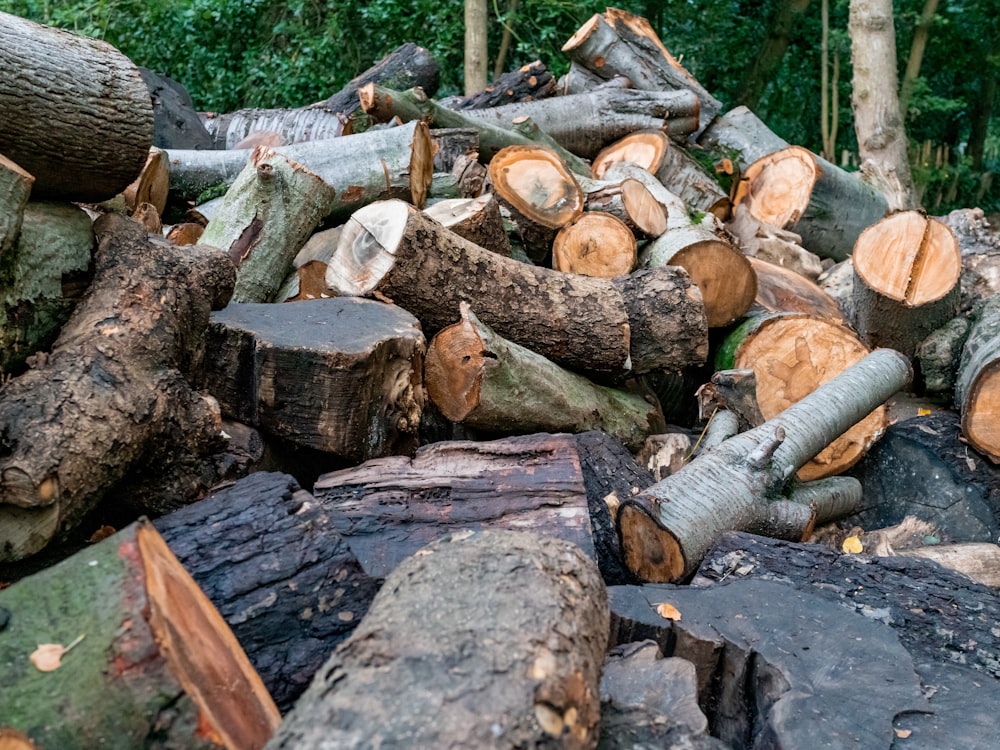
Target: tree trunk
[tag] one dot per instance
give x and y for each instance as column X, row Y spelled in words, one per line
column 113, row 388
column 792, row 355
column 479, row 379
column 340, row 375
column 74, row 112
column 668, row 529
column 152, row 658
column 796, row 190
column 977, row 377
column 485, row 639
column 779, row 35
column 878, row 121
column 916, row 56
column 476, row 55
column 595, row 244
column 594, row 326
column 268, row 556
column 906, row 280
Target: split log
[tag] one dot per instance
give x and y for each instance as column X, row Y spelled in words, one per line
column 476, row 219
column 113, row 390
column 976, row 380
column 517, row 620
column 143, row 654
column 769, row 243
column 42, row 277
column 389, row 508
column 340, row 375
column 482, row 380
column 666, row 530
column 838, row 282
column 617, row 43
column 266, row 554
column 627, row 199
column 528, row 83
column 391, row 163
column 796, row 190
column 595, row 244
column 176, row 124
column 791, row 355
column 605, row 328
column 307, row 279
column 265, row 219
column 782, row 290
column 15, row 188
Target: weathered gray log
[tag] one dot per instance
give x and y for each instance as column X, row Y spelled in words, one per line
column 74, row 112
column 666, row 530
column 340, row 375
column 483, row 639
column 939, row 354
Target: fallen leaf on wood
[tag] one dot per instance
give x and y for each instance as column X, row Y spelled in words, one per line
column 48, row 656
column 668, row 611
column 852, row 545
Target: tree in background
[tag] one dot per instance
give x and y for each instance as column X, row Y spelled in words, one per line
column 476, row 48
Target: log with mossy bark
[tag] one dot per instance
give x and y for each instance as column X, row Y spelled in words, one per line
column 117, row 645
column 515, row 619
column 482, row 380
column 906, row 280
column 114, row 388
column 605, row 328
column 735, row 140
column 74, row 112
column 667, row 530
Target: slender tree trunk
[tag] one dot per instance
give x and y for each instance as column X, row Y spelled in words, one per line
column 508, row 33
column 771, row 51
column 476, row 14
column 983, row 104
column 917, row 48
column 878, row 123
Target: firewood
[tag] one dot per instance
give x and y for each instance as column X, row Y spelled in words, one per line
column 627, row 199
column 482, row 380
column 939, row 354
column 791, row 354
column 977, row 377
column 265, row 219
column 113, row 388
column 130, row 648
column 796, row 190
column 452, row 143
column 392, row 163
column 307, row 279
column 176, row 123
column 518, row 620
column 666, row 530
column 906, row 274
column 769, row 243
column 735, row 140
column 48, row 118
column 527, row 127
column 782, row 290
column 980, row 562
column 42, row 278
column 578, row 80
column 476, row 219
column 15, row 188
column 618, row 43
column 528, row 83
column 340, row 375
column 603, row 328
column 153, row 183
column 595, row 244
column 267, row 555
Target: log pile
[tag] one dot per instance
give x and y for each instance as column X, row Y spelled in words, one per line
column 394, row 376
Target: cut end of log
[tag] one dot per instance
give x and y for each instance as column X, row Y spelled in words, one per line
column 596, row 244
column 582, row 33
column 536, row 182
column 453, row 368
column 981, row 413
column 782, row 290
column 205, row 655
column 778, row 187
column 651, row 552
column 647, row 148
column 11, row 739
column 421, row 164
column 909, row 257
column 649, row 215
column 26, row 531
column 367, row 246
column 724, row 276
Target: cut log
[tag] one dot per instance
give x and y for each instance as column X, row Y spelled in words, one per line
column 143, row 654
column 152, row 185
column 666, row 530
column 796, row 190
column 618, row 43
column 294, row 125
column 482, row 380
column 67, row 89
column 939, row 354
column 906, row 274
column 476, row 219
column 113, row 390
column 528, row 83
column 339, row 375
column 782, row 290
column 734, row 141
column 307, row 279
column 627, row 199
column 595, row 244
column 980, row 562
column 517, row 620
column 579, row 80
column 769, row 243
column 405, row 67
column 176, row 124
column 265, row 219
column 391, row 163
column 977, row 381
column 647, row 321
column 42, row 278
column 792, row 354
column 266, row 554
column 15, row 188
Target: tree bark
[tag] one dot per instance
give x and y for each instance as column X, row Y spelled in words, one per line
column 516, row 620
column 60, row 92
column 878, row 121
column 528, row 83
column 15, row 188
column 340, row 375
column 476, row 219
column 667, row 530
column 976, row 380
column 476, row 55
column 113, row 388
column 734, row 141
column 153, row 658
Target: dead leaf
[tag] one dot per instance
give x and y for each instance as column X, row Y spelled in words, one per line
column 48, row 656
column 668, row 612
column 852, row 545
column 903, row 733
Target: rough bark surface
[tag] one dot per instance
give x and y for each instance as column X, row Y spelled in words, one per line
column 977, row 385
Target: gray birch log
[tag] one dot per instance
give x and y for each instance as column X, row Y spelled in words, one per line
column 74, row 112
column 667, row 530
column 292, row 125
column 514, row 621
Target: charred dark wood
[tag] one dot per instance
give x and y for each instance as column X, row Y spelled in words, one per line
column 527, row 83
column 176, row 123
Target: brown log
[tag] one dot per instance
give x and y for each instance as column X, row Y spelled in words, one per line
column 528, row 83
column 782, row 290
column 906, row 274
column 644, row 322
column 113, row 389
column 476, row 219
column 149, row 656
column 307, row 279
column 595, row 244
column 772, row 244
column 976, row 382
column 340, row 375
column 666, row 530
column 627, row 199
column 518, row 620
column 62, row 90
column 152, row 185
